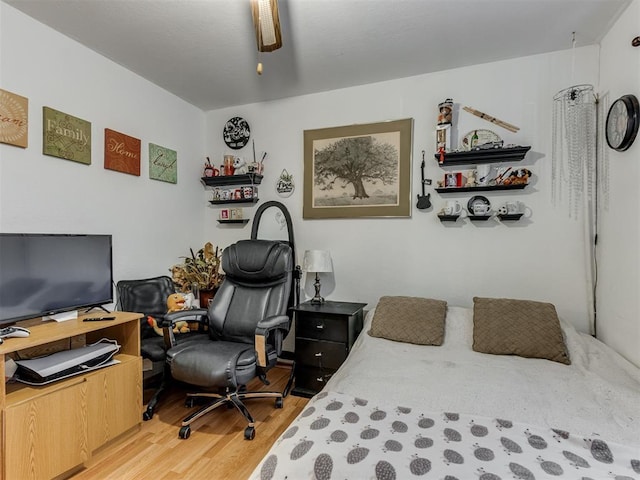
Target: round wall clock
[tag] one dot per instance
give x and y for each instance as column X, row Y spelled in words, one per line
column 622, row 122
column 236, row 133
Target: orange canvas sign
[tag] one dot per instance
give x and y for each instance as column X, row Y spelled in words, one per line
column 14, row 119
column 121, row 152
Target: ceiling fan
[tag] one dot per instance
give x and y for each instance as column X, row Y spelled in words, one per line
column 266, row 22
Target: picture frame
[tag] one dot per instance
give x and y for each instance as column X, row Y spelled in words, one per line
column 358, row 170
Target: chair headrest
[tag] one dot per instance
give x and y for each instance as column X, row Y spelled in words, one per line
column 257, row 261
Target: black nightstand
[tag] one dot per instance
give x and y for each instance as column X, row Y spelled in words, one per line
column 324, row 336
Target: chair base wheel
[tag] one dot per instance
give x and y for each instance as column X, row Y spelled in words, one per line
column 147, row 414
column 185, row 432
column 249, row 433
column 279, row 402
column 190, row 402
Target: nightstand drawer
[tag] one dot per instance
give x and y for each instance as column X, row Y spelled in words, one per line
column 310, row 381
column 320, row 354
column 322, row 327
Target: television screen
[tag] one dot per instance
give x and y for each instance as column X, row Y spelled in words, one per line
column 45, row 274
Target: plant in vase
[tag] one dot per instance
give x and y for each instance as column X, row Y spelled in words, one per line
column 200, row 273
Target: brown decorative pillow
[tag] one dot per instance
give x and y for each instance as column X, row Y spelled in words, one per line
column 409, row 319
column 526, row 328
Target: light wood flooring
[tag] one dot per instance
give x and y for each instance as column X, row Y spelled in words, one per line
column 216, row 449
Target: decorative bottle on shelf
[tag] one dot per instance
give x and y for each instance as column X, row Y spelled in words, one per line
column 474, row 139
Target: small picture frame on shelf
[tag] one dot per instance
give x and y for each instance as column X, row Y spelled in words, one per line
column 225, row 214
column 236, row 214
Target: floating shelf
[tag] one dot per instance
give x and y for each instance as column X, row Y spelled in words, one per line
column 510, row 216
column 237, row 220
column 228, row 202
column 475, row 157
column 480, row 218
column 487, row 188
column 222, row 180
column 448, row 218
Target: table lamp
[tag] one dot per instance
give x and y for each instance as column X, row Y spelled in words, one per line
column 317, row 261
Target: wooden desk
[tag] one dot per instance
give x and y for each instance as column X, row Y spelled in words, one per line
column 51, row 430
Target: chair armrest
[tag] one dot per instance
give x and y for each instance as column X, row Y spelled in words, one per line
column 198, row 315
column 263, row 329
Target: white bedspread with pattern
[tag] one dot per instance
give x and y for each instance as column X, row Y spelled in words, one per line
column 593, row 405
column 345, row 437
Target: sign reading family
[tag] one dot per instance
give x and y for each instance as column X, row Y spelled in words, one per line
column 121, row 152
column 14, row 119
column 163, row 164
column 65, row 136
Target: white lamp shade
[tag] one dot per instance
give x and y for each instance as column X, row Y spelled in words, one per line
column 317, row 261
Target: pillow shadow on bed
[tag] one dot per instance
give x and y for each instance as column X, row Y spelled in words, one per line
column 409, row 319
column 526, row 328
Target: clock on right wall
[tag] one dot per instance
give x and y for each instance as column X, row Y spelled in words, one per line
column 622, row 122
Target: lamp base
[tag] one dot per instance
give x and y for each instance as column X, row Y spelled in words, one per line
column 317, row 300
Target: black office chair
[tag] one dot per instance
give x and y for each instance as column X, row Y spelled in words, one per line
column 247, row 322
column 149, row 297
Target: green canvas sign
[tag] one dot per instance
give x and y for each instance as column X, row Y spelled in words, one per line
column 66, row 136
column 163, row 164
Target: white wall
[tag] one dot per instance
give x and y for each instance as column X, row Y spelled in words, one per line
column 619, row 238
column 153, row 223
column 540, row 258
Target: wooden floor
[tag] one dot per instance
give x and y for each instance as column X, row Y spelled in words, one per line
column 216, row 449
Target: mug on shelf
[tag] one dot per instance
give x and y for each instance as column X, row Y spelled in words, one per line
column 514, row 207
column 452, row 207
column 481, row 209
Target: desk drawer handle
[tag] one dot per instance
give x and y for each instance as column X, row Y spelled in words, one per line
column 320, row 326
column 320, row 379
column 319, row 354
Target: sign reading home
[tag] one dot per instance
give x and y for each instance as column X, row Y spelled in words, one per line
column 121, row 152
column 14, row 119
column 66, row 136
column 163, row 164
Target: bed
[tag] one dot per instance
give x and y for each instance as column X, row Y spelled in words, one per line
column 397, row 409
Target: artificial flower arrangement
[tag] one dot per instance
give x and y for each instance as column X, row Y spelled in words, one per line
column 201, row 270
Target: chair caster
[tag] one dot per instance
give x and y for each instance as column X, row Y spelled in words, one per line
column 185, row 432
column 147, row 414
column 249, row 433
column 279, row 402
column 189, row 402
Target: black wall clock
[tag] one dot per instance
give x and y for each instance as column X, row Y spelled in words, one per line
column 236, row 133
column 622, row 122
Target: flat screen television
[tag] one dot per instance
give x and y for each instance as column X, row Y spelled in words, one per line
column 46, row 274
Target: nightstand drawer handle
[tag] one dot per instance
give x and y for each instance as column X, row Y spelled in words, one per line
column 320, row 379
column 319, row 354
column 320, row 326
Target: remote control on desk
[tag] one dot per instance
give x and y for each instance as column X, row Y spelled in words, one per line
column 97, row 319
column 8, row 332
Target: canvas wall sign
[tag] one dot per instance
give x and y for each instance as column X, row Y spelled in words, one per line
column 66, row 136
column 163, row 164
column 121, row 152
column 14, row 119
column 358, row 170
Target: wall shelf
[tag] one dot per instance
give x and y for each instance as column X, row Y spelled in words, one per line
column 244, row 179
column 229, row 202
column 510, row 216
column 448, row 218
column 481, row 218
column 475, row 157
column 487, row 188
column 237, row 220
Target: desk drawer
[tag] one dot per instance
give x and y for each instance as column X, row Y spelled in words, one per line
column 320, row 354
column 322, row 327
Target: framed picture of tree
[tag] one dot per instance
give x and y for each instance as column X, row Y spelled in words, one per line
column 358, row 170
